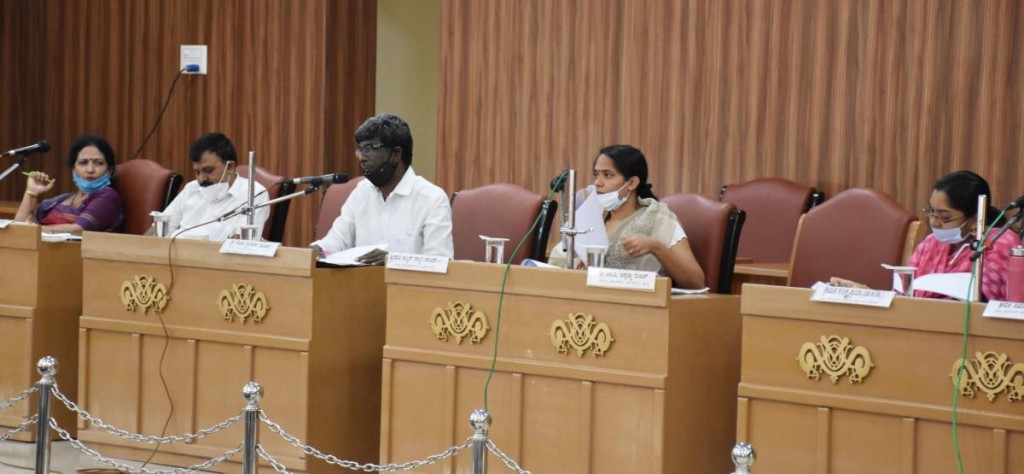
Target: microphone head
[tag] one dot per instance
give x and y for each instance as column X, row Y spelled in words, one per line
column 339, row 178
column 44, row 146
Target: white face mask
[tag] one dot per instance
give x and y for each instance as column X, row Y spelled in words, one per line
column 216, row 192
column 611, row 201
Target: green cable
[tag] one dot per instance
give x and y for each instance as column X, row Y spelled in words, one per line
column 504, row 279
column 963, row 351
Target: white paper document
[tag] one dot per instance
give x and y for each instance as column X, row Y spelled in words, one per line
column 4, row 223
column 956, row 285
column 347, row 257
column 684, row 291
column 58, row 237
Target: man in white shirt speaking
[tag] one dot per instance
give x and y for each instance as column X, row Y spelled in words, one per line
column 393, row 206
column 216, row 191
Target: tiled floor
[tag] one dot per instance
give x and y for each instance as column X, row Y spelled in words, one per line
column 19, row 458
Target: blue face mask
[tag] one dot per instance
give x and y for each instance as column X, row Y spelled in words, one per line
column 949, row 236
column 89, row 187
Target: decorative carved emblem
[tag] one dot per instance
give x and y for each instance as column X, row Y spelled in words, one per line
column 459, row 319
column 836, row 357
column 581, row 332
column 144, row 291
column 993, row 374
column 242, row 302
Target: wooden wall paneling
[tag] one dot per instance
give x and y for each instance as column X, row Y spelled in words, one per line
column 835, row 95
column 281, row 77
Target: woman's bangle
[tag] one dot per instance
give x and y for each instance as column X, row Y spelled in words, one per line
column 30, row 193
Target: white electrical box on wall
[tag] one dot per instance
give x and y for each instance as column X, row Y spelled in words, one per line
column 193, row 54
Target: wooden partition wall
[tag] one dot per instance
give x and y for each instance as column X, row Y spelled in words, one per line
column 834, row 94
column 289, row 80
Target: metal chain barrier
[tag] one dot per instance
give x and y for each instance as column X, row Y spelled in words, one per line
column 141, row 470
column 493, row 448
column 185, row 438
column 352, row 465
column 21, row 396
column 25, row 425
column 274, row 463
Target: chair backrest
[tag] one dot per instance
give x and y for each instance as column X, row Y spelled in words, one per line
column 330, row 205
column 713, row 231
column 500, row 210
column 773, row 207
column 274, row 229
column 144, row 186
column 850, row 236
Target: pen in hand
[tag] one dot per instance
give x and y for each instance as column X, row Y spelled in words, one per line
column 35, row 176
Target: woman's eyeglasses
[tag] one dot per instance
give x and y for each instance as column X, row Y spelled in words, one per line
column 941, row 216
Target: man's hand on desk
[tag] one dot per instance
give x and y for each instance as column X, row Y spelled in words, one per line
column 374, row 257
column 319, row 251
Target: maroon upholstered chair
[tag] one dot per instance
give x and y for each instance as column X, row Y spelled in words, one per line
column 850, row 236
column 274, row 228
column 773, row 207
column 500, row 210
column 144, row 186
column 330, row 205
column 713, row 231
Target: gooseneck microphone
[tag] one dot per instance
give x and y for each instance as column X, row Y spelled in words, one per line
column 1015, row 204
column 42, row 147
column 333, row 178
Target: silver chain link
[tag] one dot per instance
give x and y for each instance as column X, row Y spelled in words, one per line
column 354, row 466
column 505, row 458
column 22, row 427
column 270, row 459
column 21, row 396
column 141, row 470
column 185, row 438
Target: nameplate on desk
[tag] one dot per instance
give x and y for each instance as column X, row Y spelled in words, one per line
column 249, row 247
column 1004, row 309
column 621, row 279
column 857, row 296
column 417, row 263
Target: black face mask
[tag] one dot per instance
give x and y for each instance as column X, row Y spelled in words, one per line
column 383, row 174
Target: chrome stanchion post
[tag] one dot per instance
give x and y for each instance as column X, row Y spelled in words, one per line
column 743, row 457
column 481, row 423
column 252, row 393
column 47, row 367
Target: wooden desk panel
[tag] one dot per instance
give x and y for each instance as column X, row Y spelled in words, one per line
column 655, row 402
column 40, row 302
column 897, row 418
column 759, row 273
column 317, row 351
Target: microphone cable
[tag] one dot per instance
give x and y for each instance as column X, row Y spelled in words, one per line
column 504, row 280
column 975, row 267
column 167, row 335
column 162, row 109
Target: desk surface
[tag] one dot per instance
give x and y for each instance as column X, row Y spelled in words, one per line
column 780, row 270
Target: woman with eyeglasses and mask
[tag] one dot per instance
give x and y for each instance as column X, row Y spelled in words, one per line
column 643, row 234
column 952, row 215
column 94, row 206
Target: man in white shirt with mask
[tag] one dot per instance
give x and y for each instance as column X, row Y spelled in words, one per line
column 392, row 206
column 216, row 191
